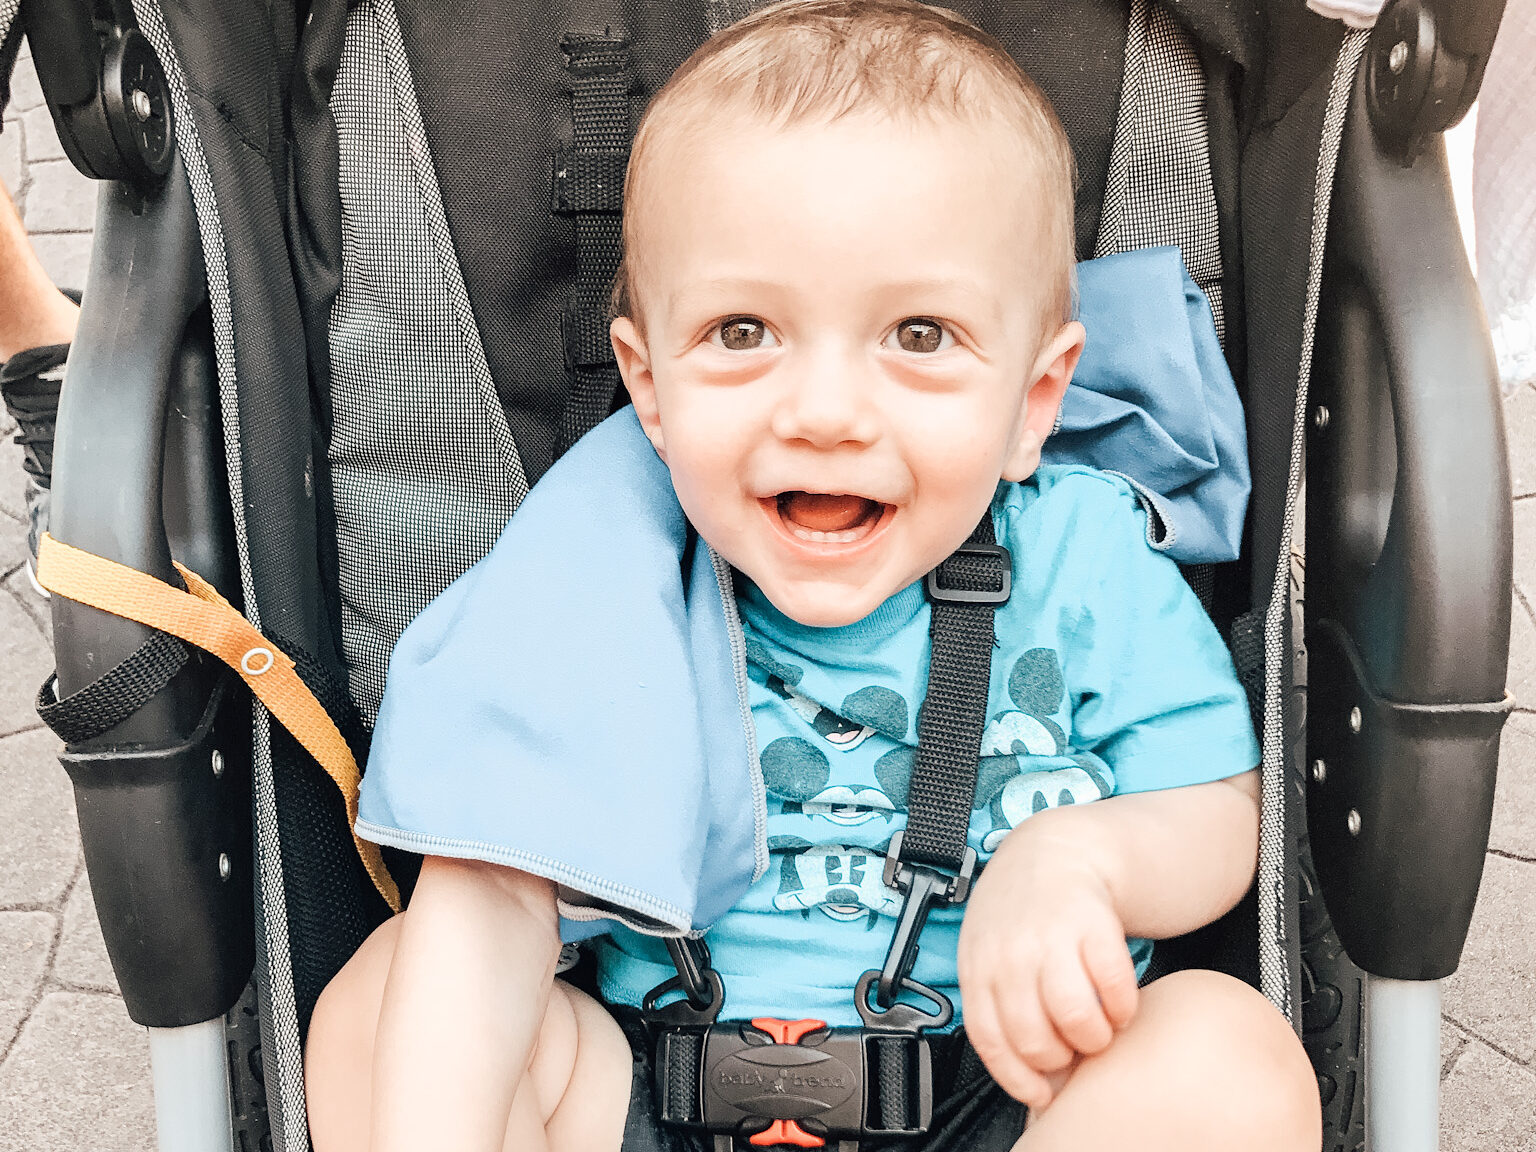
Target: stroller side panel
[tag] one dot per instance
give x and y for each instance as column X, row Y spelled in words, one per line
column 1411, row 540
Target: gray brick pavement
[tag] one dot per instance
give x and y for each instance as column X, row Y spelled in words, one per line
column 74, row 1070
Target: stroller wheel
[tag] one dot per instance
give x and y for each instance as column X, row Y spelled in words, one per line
column 248, row 1094
column 1332, row 988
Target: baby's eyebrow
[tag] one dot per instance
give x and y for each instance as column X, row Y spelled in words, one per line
column 955, row 298
column 709, row 291
column 930, row 293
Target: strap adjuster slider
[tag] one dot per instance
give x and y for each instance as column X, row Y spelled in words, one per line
column 940, row 594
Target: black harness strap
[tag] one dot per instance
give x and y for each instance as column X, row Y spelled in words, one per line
column 965, row 591
column 929, row 862
column 588, row 185
column 114, row 696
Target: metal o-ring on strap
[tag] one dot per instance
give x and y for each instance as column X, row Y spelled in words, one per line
column 199, row 616
column 256, row 661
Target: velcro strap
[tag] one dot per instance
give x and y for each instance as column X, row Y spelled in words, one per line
column 111, row 698
column 585, row 332
column 588, row 181
column 203, row 618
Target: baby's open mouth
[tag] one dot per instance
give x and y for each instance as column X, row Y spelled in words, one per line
column 828, row 518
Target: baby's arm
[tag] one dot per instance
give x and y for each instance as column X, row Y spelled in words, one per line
column 1043, row 964
column 467, row 990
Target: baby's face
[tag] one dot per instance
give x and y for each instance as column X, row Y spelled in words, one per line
column 842, row 349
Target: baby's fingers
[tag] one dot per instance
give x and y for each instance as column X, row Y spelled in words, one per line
column 1109, row 967
column 1072, row 1003
column 1027, row 1027
column 984, row 1031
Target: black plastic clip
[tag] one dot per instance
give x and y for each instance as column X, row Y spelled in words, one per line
column 938, row 593
column 700, row 984
column 922, row 887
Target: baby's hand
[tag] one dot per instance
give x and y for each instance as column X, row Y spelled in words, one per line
column 1044, row 970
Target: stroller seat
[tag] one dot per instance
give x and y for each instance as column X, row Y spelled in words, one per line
column 364, row 276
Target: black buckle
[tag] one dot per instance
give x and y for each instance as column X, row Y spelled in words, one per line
column 799, row 1082
column 942, row 595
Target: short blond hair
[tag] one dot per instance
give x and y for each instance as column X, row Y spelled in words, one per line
column 802, row 61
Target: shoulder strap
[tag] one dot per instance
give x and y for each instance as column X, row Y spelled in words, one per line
column 588, row 186
column 965, row 591
column 929, row 861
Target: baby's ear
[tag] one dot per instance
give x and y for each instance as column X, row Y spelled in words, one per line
column 634, row 359
column 1049, row 377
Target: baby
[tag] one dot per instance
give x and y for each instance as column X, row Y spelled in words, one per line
column 844, row 321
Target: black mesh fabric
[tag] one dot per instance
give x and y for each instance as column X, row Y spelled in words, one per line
column 1277, row 173
column 10, row 46
column 482, row 65
column 237, row 59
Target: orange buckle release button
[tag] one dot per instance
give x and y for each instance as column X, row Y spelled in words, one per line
column 786, row 1131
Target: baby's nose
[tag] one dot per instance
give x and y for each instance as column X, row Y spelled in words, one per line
column 829, row 403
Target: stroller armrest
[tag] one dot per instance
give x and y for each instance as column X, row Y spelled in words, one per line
column 163, row 795
column 1409, row 546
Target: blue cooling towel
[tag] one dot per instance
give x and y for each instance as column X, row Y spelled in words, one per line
column 574, row 705
column 1153, row 401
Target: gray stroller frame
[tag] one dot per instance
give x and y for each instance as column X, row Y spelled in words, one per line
column 190, row 357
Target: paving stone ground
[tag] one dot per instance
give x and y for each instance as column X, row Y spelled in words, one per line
column 74, row 1072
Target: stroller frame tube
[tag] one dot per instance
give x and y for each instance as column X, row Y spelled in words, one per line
column 191, row 1081
column 1402, row 1065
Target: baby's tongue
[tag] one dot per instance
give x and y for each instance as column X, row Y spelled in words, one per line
column 821, row 512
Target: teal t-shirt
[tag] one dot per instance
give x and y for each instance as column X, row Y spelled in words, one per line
column 1108, row 678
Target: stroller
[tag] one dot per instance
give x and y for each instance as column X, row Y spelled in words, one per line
column 345, row 250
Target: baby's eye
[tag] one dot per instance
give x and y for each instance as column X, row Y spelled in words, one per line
column 919, row 334
column 744, row 333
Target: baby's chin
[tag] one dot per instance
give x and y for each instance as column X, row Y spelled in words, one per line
column 827, row 605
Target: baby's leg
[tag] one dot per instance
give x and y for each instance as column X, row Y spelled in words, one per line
column 1207, row 1063
column 579, row 1042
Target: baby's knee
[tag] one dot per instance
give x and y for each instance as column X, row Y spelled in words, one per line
column 580, row 1043
column 347, row 1012
column 338, row 1050
column 1251, row 1064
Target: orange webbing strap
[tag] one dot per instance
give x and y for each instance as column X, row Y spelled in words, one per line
column 202, row 617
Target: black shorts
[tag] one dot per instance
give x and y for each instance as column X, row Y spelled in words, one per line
column 970, row 1112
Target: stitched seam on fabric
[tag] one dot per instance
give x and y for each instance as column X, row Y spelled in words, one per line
column 546, row 866
column 290, row 1128
column 586, row 914
column 1275, row 976
column 738, row 641
column 1151, row 506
